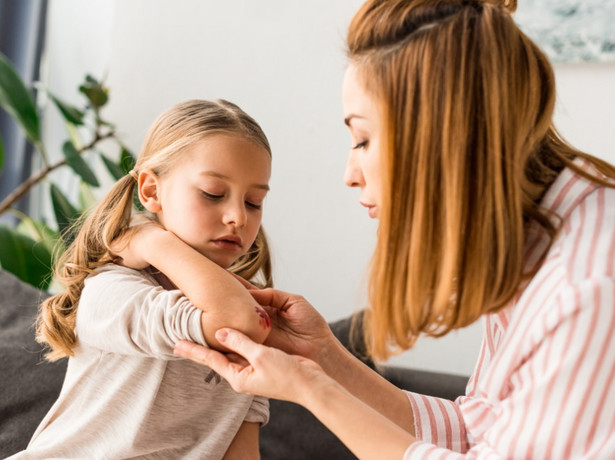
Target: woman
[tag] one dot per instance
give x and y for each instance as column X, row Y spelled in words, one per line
column 484, row 212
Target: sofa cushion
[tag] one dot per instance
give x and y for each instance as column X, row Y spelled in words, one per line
column 30, row 384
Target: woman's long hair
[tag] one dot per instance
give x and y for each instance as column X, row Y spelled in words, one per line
column 469, row 149
column 173, row 132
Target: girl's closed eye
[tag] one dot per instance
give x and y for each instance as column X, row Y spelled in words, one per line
column 212, row 196
column 254, row 205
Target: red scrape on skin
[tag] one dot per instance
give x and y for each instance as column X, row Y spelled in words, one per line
column 263, row 319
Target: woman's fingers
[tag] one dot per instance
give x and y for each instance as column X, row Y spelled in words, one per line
column 249, row 286
column 238, row 343
column 228, row 366
column 279, row 300
column 193, row 351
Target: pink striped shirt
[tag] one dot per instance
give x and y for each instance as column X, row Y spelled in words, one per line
column 544, row 383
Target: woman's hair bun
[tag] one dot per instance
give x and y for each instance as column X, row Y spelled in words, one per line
column 509, row 5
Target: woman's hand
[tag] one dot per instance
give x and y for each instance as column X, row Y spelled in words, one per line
column 256, row 369
column 298, row 328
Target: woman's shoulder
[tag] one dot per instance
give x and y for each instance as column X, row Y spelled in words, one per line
column 586, row 242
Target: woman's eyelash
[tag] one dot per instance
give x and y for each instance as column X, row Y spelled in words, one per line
column 360, row 145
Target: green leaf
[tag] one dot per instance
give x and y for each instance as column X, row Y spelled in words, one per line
column 97, row 94
column 17, row 101
column 71, row 114
column 114, row 169
column 87, row 200
column 25, row 258
column 73, row 135
column 40, row 232
column 78, row 164
column 127, row 160
column 66, row 214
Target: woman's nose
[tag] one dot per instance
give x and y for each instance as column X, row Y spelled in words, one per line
column 353, row 176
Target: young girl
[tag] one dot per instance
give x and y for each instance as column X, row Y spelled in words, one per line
column 202, row 175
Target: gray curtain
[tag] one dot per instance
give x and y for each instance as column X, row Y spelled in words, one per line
column 22, row 34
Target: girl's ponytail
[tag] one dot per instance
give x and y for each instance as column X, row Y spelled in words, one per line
column 89, row 250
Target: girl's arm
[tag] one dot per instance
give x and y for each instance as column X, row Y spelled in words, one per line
column 223, row 299
column 245, row 444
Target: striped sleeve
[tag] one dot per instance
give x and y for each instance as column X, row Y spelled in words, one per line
column 438, row 421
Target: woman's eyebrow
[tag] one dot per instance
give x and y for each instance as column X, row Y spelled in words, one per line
column 349, row 118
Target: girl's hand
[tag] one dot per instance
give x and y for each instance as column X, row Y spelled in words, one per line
column 130, row 248
column 256, row 369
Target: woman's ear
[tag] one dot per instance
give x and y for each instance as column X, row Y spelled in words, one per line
column 149, row 188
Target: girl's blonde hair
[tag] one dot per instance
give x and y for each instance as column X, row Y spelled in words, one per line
column 469, row 149
column 170, row 136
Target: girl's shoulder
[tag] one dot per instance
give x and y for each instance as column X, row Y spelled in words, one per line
column 113, row 276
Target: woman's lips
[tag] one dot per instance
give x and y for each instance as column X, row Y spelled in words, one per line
column 371, row 209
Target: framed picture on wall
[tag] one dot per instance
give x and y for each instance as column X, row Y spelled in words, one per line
column 570, row 30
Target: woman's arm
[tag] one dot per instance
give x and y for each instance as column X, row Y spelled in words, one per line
column 223, row 299
column 245, row 444
column 368, row 386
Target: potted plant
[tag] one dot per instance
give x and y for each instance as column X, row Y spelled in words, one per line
column 27, row 248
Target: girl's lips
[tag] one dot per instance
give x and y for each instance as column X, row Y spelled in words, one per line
column 228, row 242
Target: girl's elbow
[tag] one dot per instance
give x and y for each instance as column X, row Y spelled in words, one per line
column 255, row 323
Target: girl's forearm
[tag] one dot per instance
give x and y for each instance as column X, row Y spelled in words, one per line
column 224, row 301
column 365, row 431
column 367, row 385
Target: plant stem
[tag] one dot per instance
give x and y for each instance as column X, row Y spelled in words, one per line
column 34, row 179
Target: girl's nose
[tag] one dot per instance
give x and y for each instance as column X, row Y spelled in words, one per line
column 353, row 176
column 235, row 214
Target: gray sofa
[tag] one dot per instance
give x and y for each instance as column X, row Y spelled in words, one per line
column 30, row 386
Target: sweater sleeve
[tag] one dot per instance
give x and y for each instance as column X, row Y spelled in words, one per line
column 259, row 411
column 552, row 399
column 125, row 311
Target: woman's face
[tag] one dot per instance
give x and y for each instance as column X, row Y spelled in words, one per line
column 363, row 117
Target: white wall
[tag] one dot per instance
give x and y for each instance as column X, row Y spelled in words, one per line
column 282, row 61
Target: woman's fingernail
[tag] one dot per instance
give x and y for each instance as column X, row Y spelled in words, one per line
column 221, row 335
